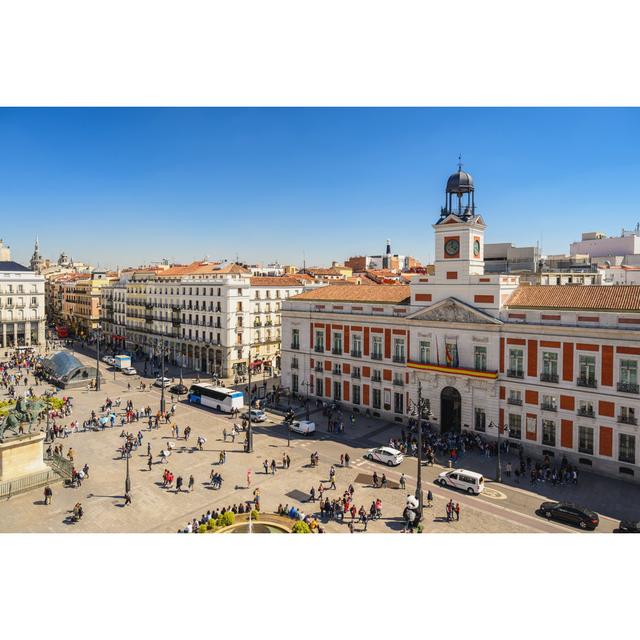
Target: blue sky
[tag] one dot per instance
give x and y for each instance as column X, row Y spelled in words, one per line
column 132, row 186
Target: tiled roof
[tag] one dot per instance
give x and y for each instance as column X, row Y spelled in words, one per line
column 202, row 268
column 275, row 281
column 389, row 294
column 583, row 297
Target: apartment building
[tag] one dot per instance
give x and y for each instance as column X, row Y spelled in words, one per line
column 212, row 318
column 22, row 315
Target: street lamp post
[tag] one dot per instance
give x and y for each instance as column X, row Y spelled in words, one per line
column 162, row 402
column 127, row 480
column 418, row 410
column 98, row 328
column 498, row 460
column 249, row 430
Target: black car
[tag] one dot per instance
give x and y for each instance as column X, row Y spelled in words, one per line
column 179, row 389
column 628, row 526
column 570, row 513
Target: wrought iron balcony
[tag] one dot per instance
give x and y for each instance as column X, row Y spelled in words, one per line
column 399, row 359
column 547, row 406
column 517, row 401
column 549, row 377
column 356, row 353
column 376, row 356
column 398, row 382
column 318, row 368
column 584, row 381
column 337, row 372
column 586, row 413
column 515, row 373
column 628, row 419
column 628, row 387
column 336, row 351
column 355, row 374
column 319, row 348
column 294, row 364
column 295, row 345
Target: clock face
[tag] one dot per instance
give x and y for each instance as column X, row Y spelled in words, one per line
column 451, row 247
column 476, row 247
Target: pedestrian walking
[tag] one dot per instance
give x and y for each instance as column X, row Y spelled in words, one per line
column 457, row 510
column 48, row 494
column 248, row 478
column 403, row 482
column 150, row 461
column 273, row 467
column 429, row 499
column 191, row 482
column 127, row 498
column 265, row 464
column 179, row 484
column 346, row 459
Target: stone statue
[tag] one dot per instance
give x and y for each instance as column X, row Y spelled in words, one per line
column 25, row 411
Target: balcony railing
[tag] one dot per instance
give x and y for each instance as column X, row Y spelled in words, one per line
column 515, row 373
column 355, row 374
column 319, row 348
column 318, row 368
column 376, row 356
column 376, row 379
column 356, row 353
column 295, row 345
column 294, row 364
column 628, row 387
column 549, row 377
column 546, row 406
column 399, row 359
column 398, row 382
column 337, row 372
column 336, row 351
column 517, row 401
column 586, row 413
column 628, row 419
column 583, row 381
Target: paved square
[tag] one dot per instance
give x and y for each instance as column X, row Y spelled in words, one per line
column 502, row 508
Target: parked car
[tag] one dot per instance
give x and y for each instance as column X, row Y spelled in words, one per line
column 628, row 526
column 129, row 371
column 179, row 389
column 468, row 481
column 385, row 455
column 162, row 382
column 305, row 427
column 257, row 415
column 570, row 513
column 108, row 360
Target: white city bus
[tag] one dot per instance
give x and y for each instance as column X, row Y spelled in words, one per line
column 217, row 398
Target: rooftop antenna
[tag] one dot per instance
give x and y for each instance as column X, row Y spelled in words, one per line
column 459, row 162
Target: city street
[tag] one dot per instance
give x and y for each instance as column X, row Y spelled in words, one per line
column 502, row 507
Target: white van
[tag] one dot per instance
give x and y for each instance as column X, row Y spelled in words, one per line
column 468, row 481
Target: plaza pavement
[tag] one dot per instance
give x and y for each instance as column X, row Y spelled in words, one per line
column 502, row 508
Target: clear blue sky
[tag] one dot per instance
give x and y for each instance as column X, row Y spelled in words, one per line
column 130, row 186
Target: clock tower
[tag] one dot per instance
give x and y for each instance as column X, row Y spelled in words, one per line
column 459, row 232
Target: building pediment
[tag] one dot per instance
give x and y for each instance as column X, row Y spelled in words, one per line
column 455, row 311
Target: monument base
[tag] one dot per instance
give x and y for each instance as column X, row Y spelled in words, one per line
column 22, row 457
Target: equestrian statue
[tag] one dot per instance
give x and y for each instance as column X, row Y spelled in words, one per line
column 25, row 412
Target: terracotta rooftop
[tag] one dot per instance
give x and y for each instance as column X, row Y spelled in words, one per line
column 384, row 294
column 275, row 281
column 202, row 268
column 579, row 297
